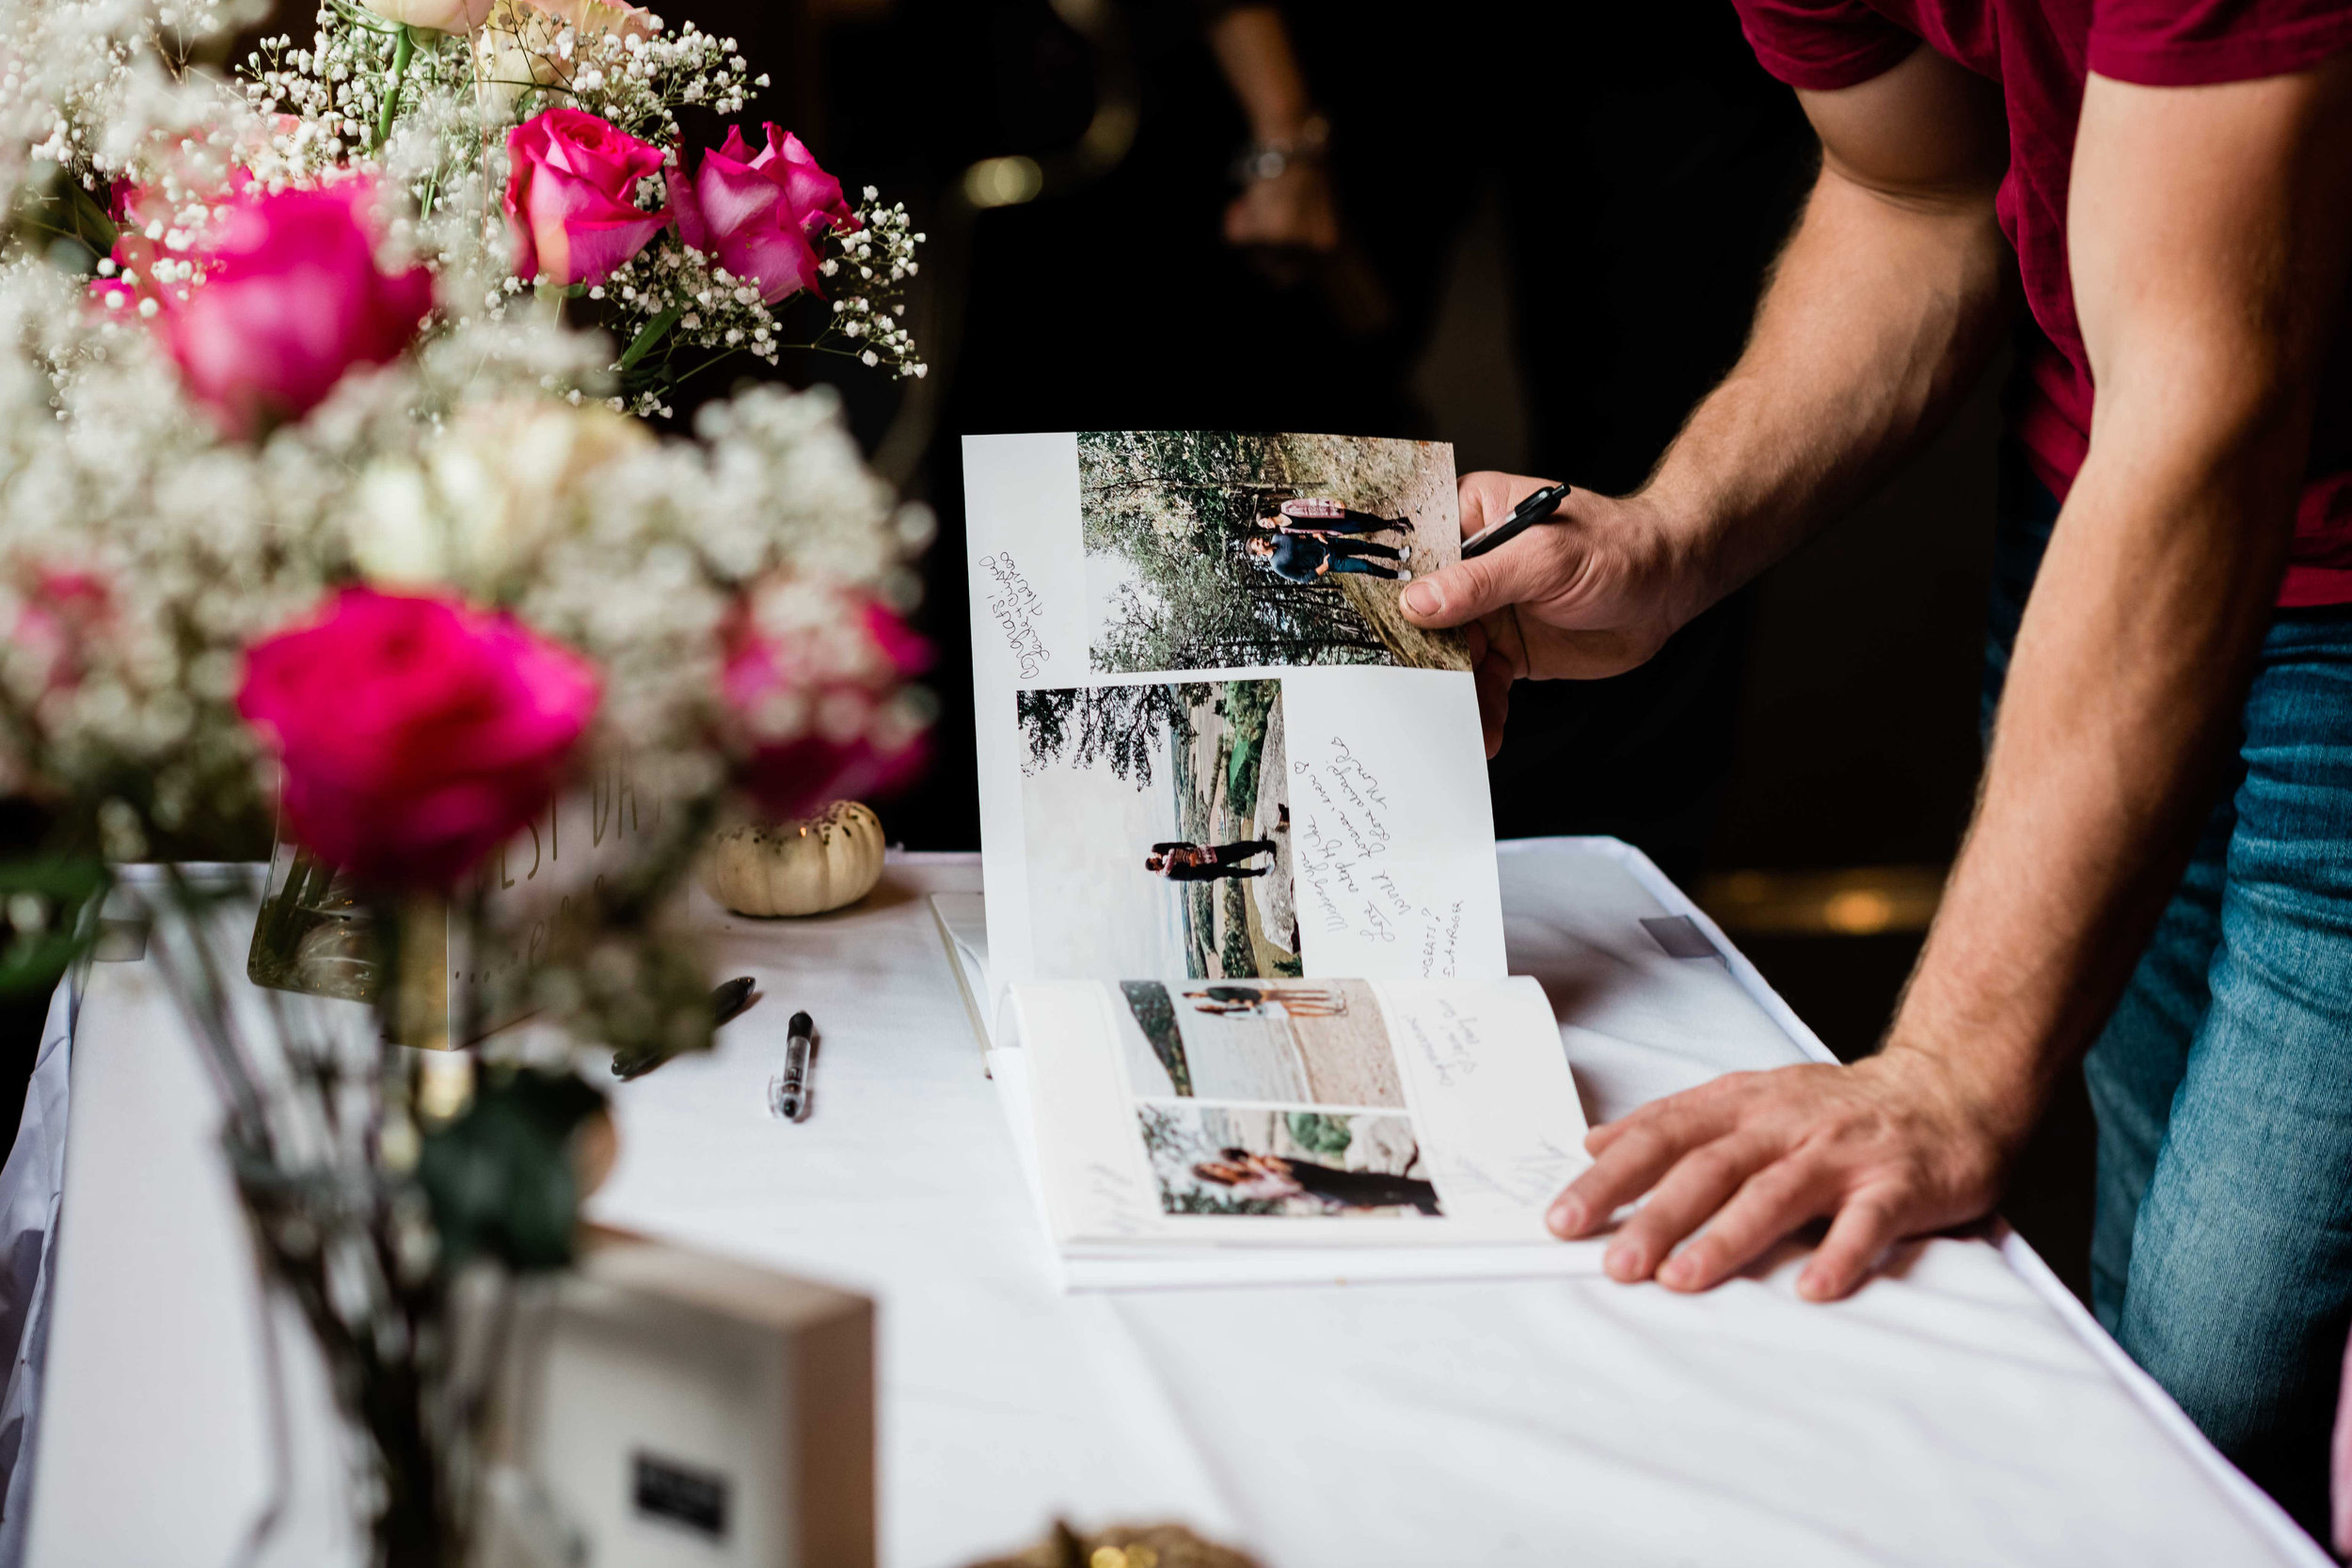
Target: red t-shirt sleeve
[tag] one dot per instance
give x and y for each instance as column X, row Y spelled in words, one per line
column 2181, row 43
column 1821, row 45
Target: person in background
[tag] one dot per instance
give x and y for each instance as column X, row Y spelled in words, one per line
column 1645, row 168
column 2157, row 882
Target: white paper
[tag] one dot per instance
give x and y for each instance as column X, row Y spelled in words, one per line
column 1333, row 764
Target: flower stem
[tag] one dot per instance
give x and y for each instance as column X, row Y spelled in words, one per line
column 402, row 47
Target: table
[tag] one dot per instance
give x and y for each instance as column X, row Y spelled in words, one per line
column 1961, row 1410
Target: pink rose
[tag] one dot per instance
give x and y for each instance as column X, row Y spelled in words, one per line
column 132, row 277
column 63, row 614
column 415, row 733
column 756, row 214
column 571, row 187
column 817, row 682
column 292, row 297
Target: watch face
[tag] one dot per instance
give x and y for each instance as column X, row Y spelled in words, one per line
column 1265, row 162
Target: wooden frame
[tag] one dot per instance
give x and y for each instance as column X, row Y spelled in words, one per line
column 680, row 1407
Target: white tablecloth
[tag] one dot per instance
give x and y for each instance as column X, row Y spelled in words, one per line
column 1961, row 1410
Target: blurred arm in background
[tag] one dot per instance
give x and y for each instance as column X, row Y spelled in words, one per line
column 1286, row 200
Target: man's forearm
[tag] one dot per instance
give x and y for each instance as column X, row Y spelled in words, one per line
column 2120, row 703
column 1253, row 47
column 1878, row 320
column 2158, row 583
column 1883, row 312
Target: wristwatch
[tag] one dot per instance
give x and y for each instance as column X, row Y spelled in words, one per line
column 1272, row 159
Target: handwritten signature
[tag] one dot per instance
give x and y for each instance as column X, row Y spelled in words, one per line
column 1016, row 607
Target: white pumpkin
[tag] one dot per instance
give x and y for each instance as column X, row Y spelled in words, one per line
column 803, row 867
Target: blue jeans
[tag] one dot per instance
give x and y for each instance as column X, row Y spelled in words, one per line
column 2221, row 1254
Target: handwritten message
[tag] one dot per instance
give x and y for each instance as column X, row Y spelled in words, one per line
column 1349, row 881
column 1016, row 607
column 1449, row 1043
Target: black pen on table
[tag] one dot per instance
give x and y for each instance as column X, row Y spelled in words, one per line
column 787, row 1096
column 1533, row 510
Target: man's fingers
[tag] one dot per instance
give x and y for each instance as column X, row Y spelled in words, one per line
column 1774, row 1201
column 1865, row 1227
column 1646, row 1145
column 1697, row 1185
column 1488, row 496
column 1600, row 1137
column 1468, row 588
column 1464, row 592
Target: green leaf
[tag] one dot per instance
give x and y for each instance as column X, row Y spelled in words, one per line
column 89, row 219
column 499, row 1176
column 1320, row 1134
column 653, row 333
column 32, row 960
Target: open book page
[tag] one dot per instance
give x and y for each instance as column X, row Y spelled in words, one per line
column 1210, row 745
column 1341, row 1113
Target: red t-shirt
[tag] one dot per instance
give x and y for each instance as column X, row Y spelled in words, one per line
column 2040, row 52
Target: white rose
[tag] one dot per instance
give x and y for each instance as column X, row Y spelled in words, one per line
column 518, row 51
column 488, row 497
column 396, row 537
column 598, row 16
column 510, row 474
column 514, row 53
column 436, row 16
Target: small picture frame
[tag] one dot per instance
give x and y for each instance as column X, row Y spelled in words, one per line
column 673, row 1407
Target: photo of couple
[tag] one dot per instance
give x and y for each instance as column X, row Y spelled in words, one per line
column 1314, row 536
column 1156, row 829
column 1208, row 550
column 1322, row 1042
column 1301, row 1163
column 1318, row 1000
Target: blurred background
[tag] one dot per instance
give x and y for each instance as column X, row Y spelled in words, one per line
column 1533, row 231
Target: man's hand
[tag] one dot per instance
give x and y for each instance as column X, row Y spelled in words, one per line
column 1594, row 592
column 1895, row 1146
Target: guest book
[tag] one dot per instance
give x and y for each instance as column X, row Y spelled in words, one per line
column 1244, row 981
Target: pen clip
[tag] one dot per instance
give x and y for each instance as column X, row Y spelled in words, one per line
column 1544, row 499
column 1533, row 510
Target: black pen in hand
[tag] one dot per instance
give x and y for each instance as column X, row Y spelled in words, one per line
column 1533, row 510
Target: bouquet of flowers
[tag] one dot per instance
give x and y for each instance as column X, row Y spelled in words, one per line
column 562, row 116
column 321, row 504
